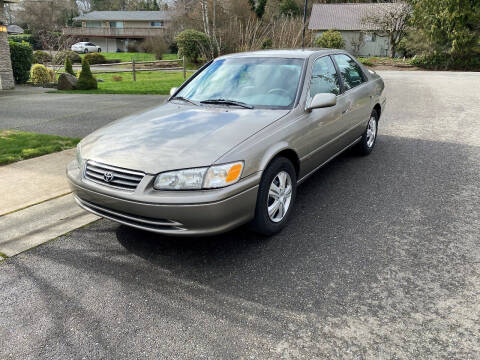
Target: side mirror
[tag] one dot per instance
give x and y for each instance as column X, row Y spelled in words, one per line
column 173, row 91
column 322, row 101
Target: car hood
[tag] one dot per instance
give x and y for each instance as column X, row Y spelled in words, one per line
column 174, row 136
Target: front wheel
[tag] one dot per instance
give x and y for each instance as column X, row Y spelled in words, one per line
column 85, row 51
column 99, row 50
column 276, row 196
column 369, row 137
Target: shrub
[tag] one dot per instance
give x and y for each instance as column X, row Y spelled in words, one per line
column 289, row 8
column 41, row 57
column 40, row 75
column 62, row 55
column 191, row 44
column 86, row 81
column 52, row 76
column 267, row 44
column 95, row 58
column 68, row 66
column 330, row 39
column 155, row 45
column 117, row 78
column 132, row 47
column 29, row 38
column 446, row 62
column 22, row 56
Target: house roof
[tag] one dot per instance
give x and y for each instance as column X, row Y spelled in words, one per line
column 14, row 29
column 124, row 15
column 346, row 16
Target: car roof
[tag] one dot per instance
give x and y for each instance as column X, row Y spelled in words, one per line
column 285, row 53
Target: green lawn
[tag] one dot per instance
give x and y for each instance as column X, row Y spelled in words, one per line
column 19, row 145
column 148, row 82
column 125, row 57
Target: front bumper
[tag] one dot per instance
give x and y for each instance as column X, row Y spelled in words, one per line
column 178, row 213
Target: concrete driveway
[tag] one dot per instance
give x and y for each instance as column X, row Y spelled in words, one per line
column 76, row 115
column 380, row 261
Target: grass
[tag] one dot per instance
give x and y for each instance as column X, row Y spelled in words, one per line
column 373, row 61
column 20, row 145
column 125, row 57
column 148, row 82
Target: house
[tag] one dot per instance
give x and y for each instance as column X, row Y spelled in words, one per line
column 116, row 30
column 361, row 37
column 6, row 74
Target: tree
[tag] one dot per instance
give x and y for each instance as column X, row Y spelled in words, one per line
column 451, row 27
column 86, row 81
column 330, row 39
column 68, row 66
column 192, row 44
column 390, row 20
column 289, row 8
column 258, row 7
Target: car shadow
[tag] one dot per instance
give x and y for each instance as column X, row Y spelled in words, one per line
column 348, row 223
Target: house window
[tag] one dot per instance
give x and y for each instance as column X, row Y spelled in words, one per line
column 156, row 23
column 116, row 24
column 94, row 24
column 370, row 37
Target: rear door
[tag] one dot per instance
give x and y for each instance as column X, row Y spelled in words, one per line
column 356, row 95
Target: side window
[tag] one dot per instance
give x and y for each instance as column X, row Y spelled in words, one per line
column 352, row 75
column 324, row 77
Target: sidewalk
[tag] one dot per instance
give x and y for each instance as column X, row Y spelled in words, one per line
column 35, row 203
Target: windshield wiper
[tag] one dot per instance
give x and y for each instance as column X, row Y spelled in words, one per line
column 227, row 102
column 184, row 99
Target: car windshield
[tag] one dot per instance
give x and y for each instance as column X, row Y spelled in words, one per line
column 257, row 82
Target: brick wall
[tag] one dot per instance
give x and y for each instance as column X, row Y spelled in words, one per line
column 6, row 75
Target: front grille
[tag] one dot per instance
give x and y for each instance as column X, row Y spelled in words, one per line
column 113, row 176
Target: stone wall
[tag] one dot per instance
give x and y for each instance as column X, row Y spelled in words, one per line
column 6, row 75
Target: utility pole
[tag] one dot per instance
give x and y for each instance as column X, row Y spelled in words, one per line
column 304, row 22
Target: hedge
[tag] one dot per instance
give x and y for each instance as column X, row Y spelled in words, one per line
column 21, row 55
column 29, row 38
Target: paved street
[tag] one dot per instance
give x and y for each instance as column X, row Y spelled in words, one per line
column 381, row 260
column 76, row 115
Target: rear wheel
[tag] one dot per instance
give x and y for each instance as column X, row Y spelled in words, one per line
column 85, row 51
column 369, row 137
column 99, row 50
column 276, row 196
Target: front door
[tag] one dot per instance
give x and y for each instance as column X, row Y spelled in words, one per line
column 320, row 140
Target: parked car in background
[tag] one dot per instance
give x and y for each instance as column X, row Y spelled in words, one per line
column 231, row 144
column 85, row 47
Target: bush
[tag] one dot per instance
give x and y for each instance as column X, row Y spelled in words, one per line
column 41, row 57
column 132, row 47
column 29, row 38
column 52, row 76
column 62, row 55
column 68, row 66
column 330, row 39
column 446, row 62
column 86, row 81
column 267, row 44
column 95, row 58
column 21, row 55
column 40, row 75
column 155, row 45
column 191, row 44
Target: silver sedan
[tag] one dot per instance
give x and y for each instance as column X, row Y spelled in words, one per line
column 232, row 144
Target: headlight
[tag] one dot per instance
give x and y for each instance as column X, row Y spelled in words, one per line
column 180, row 180
column 195, row 179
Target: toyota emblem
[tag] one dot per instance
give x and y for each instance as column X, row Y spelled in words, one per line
column 108, row 177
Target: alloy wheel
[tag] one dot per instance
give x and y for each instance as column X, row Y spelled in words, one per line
column 371, row 131
column 279, row 196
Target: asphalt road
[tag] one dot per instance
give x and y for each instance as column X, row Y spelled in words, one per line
column 76, row 115
column 381, row 260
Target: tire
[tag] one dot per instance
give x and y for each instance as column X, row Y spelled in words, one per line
column 85, row 51
column 270, row 224
column 366, row 144
column 99, row 50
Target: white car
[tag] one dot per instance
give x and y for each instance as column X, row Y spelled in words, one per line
column 85, row 47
